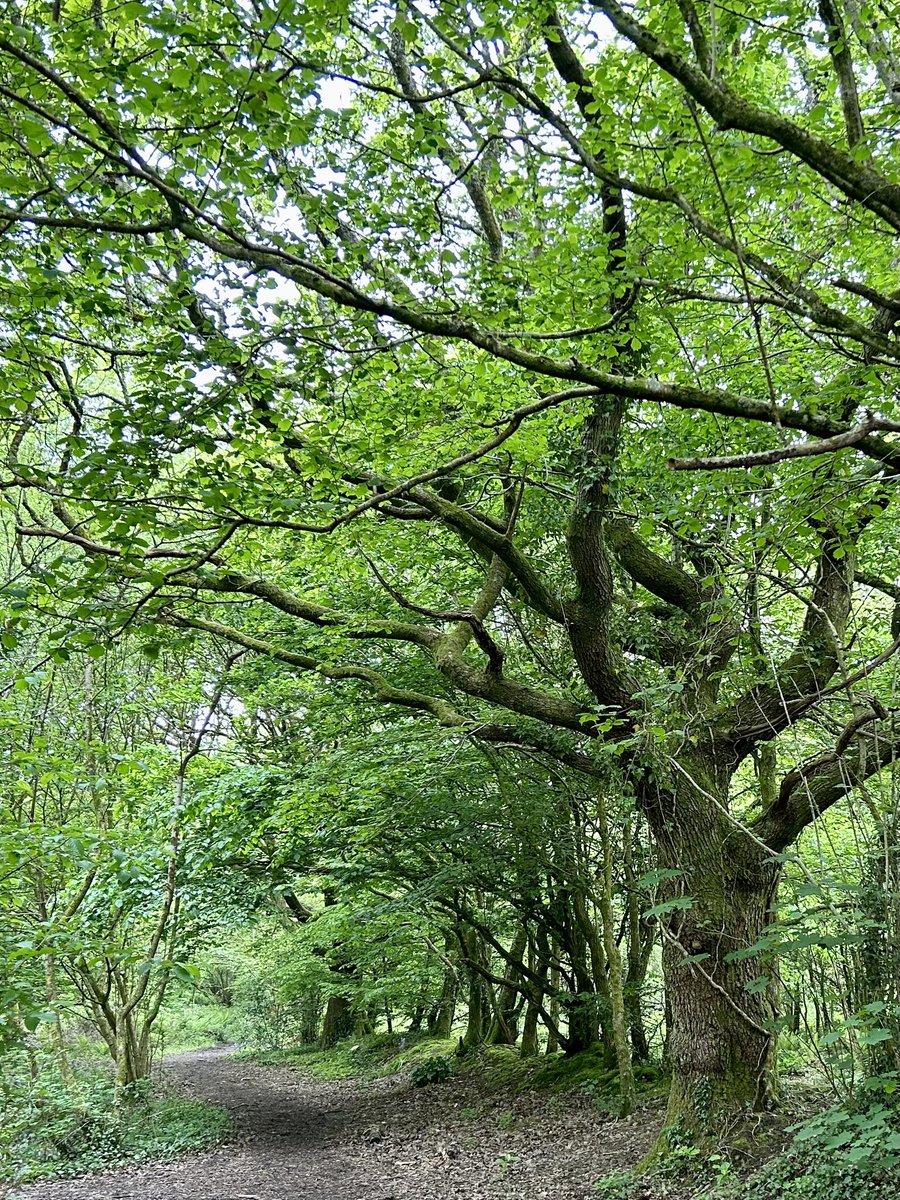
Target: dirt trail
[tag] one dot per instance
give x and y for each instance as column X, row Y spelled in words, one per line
column 303, row 1139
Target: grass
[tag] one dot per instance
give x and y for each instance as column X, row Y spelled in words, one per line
column 362, row 1058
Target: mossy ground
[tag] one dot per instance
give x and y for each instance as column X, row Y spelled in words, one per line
column 500, row 1067
column 359, row 1058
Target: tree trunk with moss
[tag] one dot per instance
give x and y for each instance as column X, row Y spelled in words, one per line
column 529, row 1044
column 440, row 1019
column 721, row 1040
column 503, row 1030
column 479, row 1004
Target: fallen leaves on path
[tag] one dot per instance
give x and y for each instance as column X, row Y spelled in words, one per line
column 303, row 1139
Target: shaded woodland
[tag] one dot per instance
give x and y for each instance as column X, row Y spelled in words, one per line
column 448, row 462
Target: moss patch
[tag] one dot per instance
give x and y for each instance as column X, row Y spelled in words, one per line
column 499, row 1068
column 503, row 1070
column 363, row 1058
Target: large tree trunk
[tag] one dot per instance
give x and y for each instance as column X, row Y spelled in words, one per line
column 339, row 1021
column 721, row 1042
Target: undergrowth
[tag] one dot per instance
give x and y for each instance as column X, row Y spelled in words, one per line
column 430, row 1061
column 362, row 1058
column 50, row 1128
column 846, row 1152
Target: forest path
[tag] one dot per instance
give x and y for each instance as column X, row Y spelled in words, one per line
column 298, row 1138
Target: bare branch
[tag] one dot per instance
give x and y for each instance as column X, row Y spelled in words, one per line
column 766, row 458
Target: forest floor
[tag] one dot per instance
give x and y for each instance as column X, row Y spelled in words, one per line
column 300, row 1138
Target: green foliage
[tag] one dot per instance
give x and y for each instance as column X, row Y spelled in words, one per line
column 867, row 1137
column 431, row 1070
column 325, row 615
column 187, row 1025
column 51, row 1128
column 620, row 1184
column 172, row 1125
column 839, row 1154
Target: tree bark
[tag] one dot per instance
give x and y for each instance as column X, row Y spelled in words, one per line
column 529, row 1044
column 721, row 1040
column 503, row 1029
column 619, row 1015
column 339, row 1021
column 440, row 1019
column 474, row 950
column 640, row 945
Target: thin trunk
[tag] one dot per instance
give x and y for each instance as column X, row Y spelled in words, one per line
column 614, row 963
column 529, row 1045
column 418, row 1016
column 640, row 944
column 475, row 953
column 311, row 1015
column 503, row 1029
column 440, row 1019
column 56, row 1030
column 552, row 1038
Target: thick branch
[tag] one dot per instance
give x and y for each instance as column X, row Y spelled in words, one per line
column 651, row 570
column 470, row 526
column 725, row 403
column 867, row 579
column 800, row 680
column 812, row 789
column 766, row 458
column 235, row 583
column 445, row 713
column 857, row 180
column 842, row 60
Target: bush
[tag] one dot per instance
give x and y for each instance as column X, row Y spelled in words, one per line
column 50, row 1129
column 618, row 1185
column 840, row 1154
column 431, row 1070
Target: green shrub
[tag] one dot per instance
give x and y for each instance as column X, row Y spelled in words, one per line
column 50, row 1128
column 844, row 1153
column 171, row 1125
column 431, row 1070
column 618, row 1185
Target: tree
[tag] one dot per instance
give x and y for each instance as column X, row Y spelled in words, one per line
column 284, row 295
column 109, row 890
